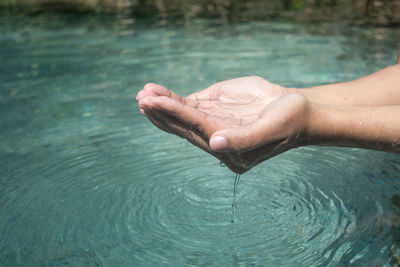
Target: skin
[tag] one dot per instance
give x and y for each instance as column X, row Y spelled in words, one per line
column 245, row 121
column 377, row 89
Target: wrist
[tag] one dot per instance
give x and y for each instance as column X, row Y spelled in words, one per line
column 345, row 126
column 316, row 96
column 312, row 130
column 320, row 129
column 333, row 125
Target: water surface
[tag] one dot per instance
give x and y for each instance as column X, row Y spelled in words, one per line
column 86, row 180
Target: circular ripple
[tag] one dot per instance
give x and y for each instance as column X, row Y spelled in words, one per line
column 184, row 214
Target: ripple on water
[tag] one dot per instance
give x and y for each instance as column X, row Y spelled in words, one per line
column 86, row 181
column 111, row 205
column 182, row 213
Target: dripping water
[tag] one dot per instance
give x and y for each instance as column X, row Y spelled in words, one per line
column 234, row 204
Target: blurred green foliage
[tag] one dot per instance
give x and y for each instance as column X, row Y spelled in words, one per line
column 377, row 12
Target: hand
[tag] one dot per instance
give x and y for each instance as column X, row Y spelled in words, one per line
column 242, row 122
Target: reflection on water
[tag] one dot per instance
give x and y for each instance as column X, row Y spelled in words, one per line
column 85, row 180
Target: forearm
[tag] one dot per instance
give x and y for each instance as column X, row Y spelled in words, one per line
column 377, row 89
column 375, row 127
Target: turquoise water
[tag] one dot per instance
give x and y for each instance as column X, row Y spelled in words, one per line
column 86, row 181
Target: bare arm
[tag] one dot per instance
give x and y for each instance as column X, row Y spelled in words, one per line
column 379, row 88
column 375, row 127
column 245, row 121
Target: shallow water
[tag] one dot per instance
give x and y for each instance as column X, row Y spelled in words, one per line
column 86, row 180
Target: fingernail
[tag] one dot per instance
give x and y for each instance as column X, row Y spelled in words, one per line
column 218, row 143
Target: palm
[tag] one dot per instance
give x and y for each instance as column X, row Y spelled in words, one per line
column 236, row 102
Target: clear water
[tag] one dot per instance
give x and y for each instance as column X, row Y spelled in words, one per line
column 86, row 181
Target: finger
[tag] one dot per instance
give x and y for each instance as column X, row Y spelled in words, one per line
column 173, row 126
column 143, row 93
column 280, row 121
column 209, row 94
column 158, row 123
column 160, row 90
column 187, row 115
column 168, row 124
column 144, row 102
column 242, row 139
column 162, row 121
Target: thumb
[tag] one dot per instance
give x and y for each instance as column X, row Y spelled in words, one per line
column 283, row 118
column 218, row 142
column 240, row 139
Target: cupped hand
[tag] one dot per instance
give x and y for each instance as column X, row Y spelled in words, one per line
column 242, row 121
